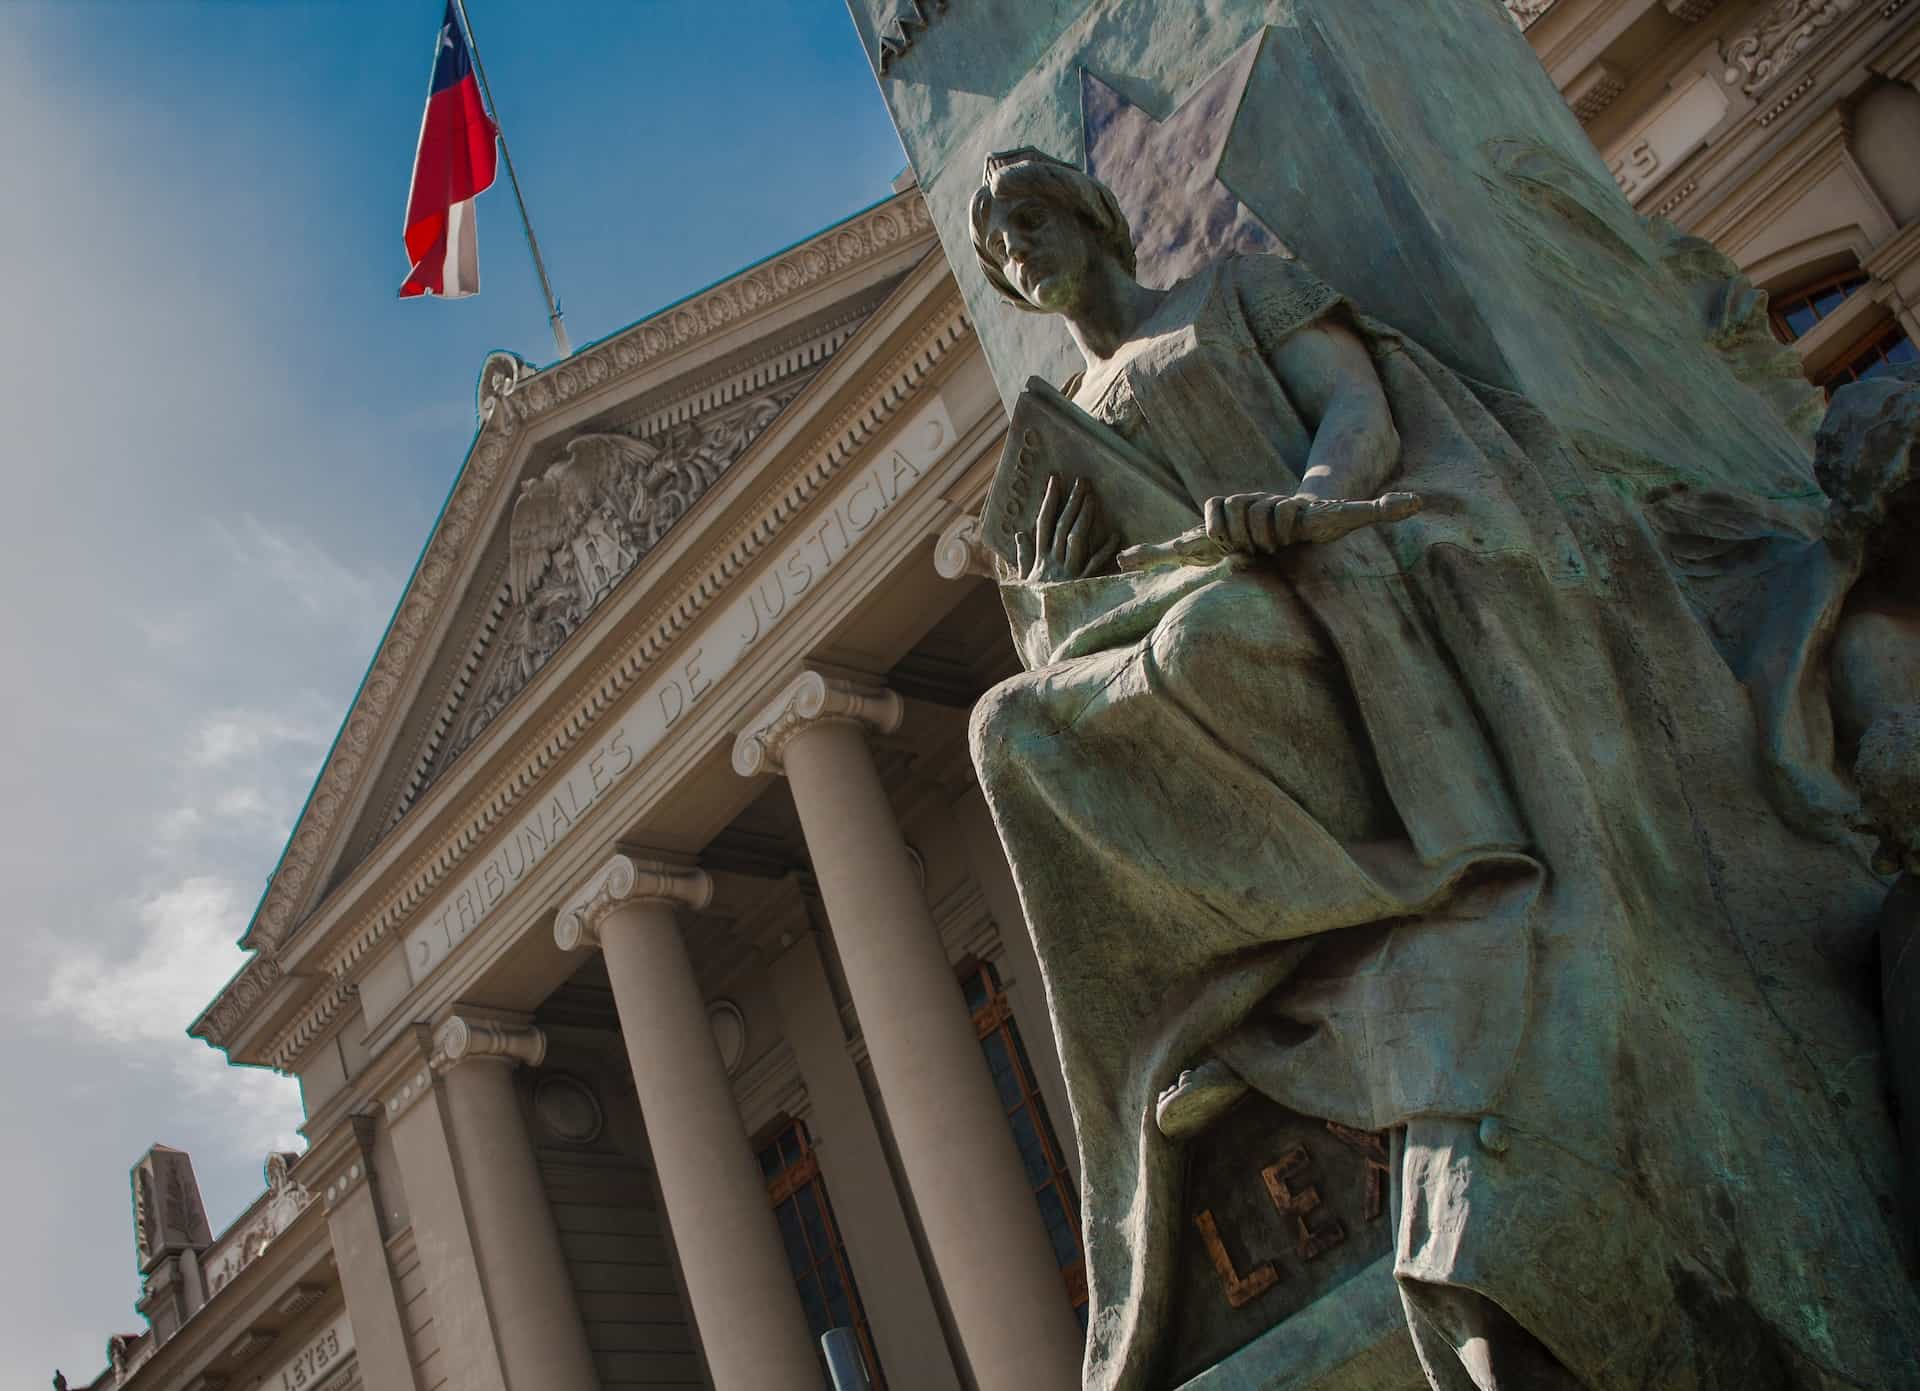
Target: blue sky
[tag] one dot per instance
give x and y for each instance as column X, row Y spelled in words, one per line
column 224, row 440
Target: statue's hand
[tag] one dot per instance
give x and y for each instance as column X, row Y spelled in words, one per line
column 1070, row 541
column 1263, row 523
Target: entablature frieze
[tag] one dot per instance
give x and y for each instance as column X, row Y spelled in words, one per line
column 419, row 864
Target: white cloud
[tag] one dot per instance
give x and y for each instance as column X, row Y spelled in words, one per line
column 138, row 1003
column 229, row 736
column 184, row 954
column 322, row 587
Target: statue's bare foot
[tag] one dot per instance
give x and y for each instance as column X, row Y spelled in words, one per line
column 1203, row 1094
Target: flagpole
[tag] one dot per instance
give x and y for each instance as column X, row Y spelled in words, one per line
column 533, row 243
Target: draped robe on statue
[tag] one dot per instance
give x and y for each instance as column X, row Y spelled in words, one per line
column 1423, row 827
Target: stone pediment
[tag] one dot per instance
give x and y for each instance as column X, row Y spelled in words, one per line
column 577, row 528
column 576, row 472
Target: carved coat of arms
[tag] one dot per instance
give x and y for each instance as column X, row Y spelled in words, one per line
column 584, row 522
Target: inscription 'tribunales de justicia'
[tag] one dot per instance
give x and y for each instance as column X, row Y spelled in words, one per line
column 683, row 681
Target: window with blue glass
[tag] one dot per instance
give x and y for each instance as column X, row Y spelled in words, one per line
column 1885, row 348
column 1033, row 1133
column 815, row 1253
column 1795, row 313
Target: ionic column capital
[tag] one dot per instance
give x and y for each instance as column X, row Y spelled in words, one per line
column 812, row 698
column 463, row 1038
column 625, row 879
column 961, row 550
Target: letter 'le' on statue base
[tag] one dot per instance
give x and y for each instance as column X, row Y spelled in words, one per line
column 1458, row 920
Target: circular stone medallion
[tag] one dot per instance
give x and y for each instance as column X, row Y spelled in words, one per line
column 568, row 1109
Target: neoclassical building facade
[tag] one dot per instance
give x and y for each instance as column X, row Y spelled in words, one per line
column 656, row 987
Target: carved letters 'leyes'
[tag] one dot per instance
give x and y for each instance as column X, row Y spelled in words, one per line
column 580, row 526
column 1291, row 1185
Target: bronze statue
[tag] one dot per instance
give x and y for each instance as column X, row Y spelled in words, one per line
column 1407, row 791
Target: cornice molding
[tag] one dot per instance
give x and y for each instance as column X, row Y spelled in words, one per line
column 853, row 243
column 818, row 462
column 812, row 698
column 254, row 982
column 625, row 879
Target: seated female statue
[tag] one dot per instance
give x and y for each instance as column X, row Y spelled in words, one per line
column 1409, row 821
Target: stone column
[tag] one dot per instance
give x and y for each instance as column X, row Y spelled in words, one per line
column 981, row 1220
column 1026, row 991
column 366, row 1275
column 906, row 1327
column 536, row 1318
column 424, row 1147
column 743, row 1295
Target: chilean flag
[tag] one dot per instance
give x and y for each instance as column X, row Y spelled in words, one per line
column 453, row 165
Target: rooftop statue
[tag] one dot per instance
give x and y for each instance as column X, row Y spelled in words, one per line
column 1375, row 756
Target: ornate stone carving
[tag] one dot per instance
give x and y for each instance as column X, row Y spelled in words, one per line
column 960, row 551
column 464, row 1037
column 1524, row 12
column 898, row 28
column 499, row 375
column 1757, row 55
column 811, row 698
column 1691, row 11
column 168, row 1217
column 627, row 879
column 584, row 523
column 261, row 973
column 286, row 1198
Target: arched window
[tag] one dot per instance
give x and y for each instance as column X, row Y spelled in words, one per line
column 1794, row 315
column 1887, row 345
column 1877, row 342
column 815, row 1253
column 1040, row 1152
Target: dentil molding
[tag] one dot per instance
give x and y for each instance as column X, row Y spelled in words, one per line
column 622, row 880
column 813, row 697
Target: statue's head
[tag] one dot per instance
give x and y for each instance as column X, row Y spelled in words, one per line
column 1041, row 226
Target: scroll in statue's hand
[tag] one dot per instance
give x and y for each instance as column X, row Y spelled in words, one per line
column 1265, row 523
column 1070, row 540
